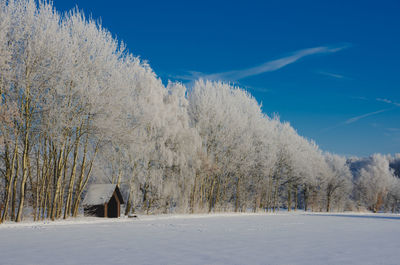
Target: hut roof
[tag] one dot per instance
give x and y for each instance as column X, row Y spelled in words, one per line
column 98, row 194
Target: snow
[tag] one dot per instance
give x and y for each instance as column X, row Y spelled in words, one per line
column 296, row 238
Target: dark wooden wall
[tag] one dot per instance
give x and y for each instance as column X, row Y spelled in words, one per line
column 111, row 209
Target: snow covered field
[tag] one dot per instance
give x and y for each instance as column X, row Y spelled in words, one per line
column 207, row 239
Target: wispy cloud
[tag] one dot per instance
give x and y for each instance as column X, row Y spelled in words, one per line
column 337, row 76
column 274, row 64
column 384, row 100
column 268, row 66
column 357, row 118
column 395, row 105
column 359, row 98
column 388, row 101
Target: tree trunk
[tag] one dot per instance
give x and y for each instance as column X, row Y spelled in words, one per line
column 24, row 174
column 80, row 180
column 275, row 202
column 305, row 194
column 83, row 181
column 211, row 195
column 328, row 201
column 37, row 187
column 130, row 197
column 193, row 195
column 237, row 202
column 217, row 195
column 14, row 192
column 289, row 198
column 9, row 183
column 25, row 105
column 58, row 179
column 43, row 184
column 67, row 210
column 269, row 195
column 63, row 185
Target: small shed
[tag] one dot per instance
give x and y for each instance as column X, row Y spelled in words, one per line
column 103, row 200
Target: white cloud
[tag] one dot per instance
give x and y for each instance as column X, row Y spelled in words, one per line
column 273, row 65
column 338, row 76
column 269, row 66
column 357, row 118
column 388, row 101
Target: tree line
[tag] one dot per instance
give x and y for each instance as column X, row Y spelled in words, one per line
column 76, row 107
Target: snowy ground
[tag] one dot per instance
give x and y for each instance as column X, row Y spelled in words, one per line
column 207, row 239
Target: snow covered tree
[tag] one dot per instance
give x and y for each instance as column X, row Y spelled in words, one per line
column 374, row 182
column 76, row 107
column 338, row 183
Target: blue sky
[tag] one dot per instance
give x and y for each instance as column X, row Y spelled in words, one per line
column 330, row 68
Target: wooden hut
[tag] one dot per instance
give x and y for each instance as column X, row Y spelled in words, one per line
column 103, row 200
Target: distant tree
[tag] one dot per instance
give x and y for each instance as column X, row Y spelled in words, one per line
column 374, row 182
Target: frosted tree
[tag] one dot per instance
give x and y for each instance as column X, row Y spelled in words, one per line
column 374, row 182
column 226, row 118
column 393, row 203
column 338, row 183
column 33, row 40
column 265, row 136
column 76, row 107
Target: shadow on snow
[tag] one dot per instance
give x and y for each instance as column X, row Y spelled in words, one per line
column 360, row 216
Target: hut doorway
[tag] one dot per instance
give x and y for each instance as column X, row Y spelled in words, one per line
column 112, row 208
